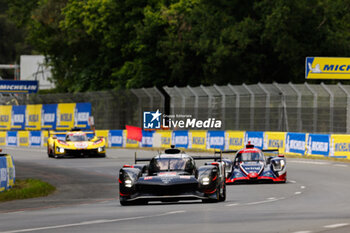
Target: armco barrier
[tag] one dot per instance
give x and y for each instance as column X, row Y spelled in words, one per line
column 7, row 172
column 318, row 145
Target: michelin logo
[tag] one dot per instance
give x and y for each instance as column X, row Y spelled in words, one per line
column 151, row 120
column 317, row 68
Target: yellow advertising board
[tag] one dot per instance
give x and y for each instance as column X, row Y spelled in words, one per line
column 33, row 117
column 340, row 146
column 10, row 171
column 327, row 68
column 45, row 136
column 2, row 138
column 65, row 116
column 102, row 133
column 5, row 117
column 165, row 138
column 234, row 140
column 23, row 138
column 198, row 139
column 275, row 140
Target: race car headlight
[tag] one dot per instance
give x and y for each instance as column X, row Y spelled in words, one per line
column 60, row 150
column 100, row 149
column 128, row 183
column 205, row 180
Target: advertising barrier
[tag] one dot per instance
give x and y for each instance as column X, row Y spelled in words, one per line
column 255, row 138
column 35, row 138
column 33, row 117
column 340, row 146
column 11, row 138
column 65, row 113
column 180, row 138
column 275, row 140
column 295, row 143
column 82, row 113
column 234, row 140
column 115, row 138
column 318, row 145
column 324, row 145
column 49, row 116
column 216, row 140
column 3, row 136
column 5, row 117
column 23, row 138
column 7, row 172
column 197, row 139
column 18, row 117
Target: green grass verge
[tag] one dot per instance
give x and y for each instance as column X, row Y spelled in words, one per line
column 28, row 188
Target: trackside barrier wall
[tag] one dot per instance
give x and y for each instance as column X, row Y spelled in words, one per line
column 317, row 145
column 7, row 172
column 62, row 116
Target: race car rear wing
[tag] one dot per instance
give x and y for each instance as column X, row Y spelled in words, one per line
column 65, row 132
column 235, row 151
column 215, row 158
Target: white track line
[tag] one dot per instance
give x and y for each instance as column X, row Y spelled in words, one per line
column 265, row 201
column 297, row 193
column 92, row 222
column 336, row 225
column 309, row 162
column 340, row 165
column 302, row 187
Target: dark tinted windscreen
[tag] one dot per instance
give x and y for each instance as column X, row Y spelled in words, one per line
column 76, row 138
column 170, row 164
column 255, row 156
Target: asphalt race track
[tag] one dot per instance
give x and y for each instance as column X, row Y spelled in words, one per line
column 315, row 199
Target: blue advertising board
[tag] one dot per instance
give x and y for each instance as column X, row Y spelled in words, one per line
column 35, row 138
column 115, row 138
column 81, row 115
column 3, row 173
column 180, row 138
column 295, row 143
column 18, row 117
column 11, row 138
column 255, row 138
column 147, row 138
column 18, row 86
column 49, row 116
column 318, row 144
column 216, row 140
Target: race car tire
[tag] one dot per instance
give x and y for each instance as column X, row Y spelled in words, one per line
column 223, row 193
column 54, row 153
column 212, row 200
column 124, row 202
column 49, row 152
column 103, row 155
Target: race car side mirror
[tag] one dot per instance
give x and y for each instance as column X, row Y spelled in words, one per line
column 54, row 137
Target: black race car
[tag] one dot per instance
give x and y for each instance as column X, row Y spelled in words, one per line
column 172, row 176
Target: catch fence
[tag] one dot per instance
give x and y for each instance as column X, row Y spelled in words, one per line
column 312, row 108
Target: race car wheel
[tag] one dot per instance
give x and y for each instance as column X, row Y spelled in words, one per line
column 54, row 153
column 49, row 152
column 223, row 193
column 212, row 200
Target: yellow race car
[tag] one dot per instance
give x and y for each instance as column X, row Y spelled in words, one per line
column 75, row 144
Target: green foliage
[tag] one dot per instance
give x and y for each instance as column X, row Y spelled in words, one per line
column 108, row 44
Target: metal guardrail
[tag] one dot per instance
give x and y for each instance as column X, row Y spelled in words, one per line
column 258, row 107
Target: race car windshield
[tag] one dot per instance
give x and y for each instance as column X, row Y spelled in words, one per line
column 170, row 164
column 76, row 138
column 255, row 156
